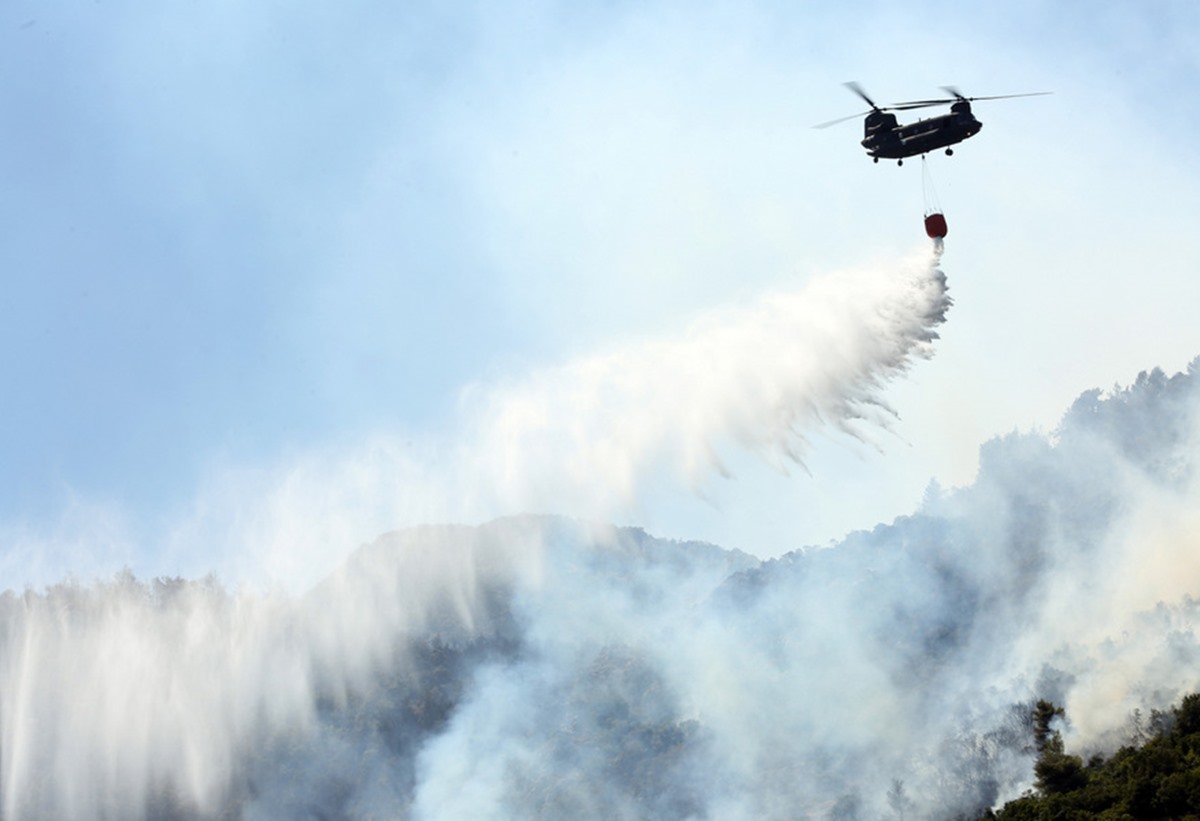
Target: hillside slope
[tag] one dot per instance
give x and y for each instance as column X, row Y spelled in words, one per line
column 538, row 667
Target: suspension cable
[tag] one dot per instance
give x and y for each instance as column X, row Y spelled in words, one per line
column 932, row 206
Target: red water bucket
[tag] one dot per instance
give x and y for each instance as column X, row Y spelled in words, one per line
column 935, row 226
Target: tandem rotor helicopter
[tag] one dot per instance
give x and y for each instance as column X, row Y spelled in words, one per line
column 884, row 137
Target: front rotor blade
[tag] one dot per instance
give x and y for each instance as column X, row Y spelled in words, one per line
column 915, row 104
column 857, row 89
column 842, row 119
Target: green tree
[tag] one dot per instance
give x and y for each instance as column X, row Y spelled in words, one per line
column 1044, row 713
column 1187, row 715
column 1056, row 771
column 1158, row 779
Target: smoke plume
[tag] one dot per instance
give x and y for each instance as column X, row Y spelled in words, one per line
column 544, row 667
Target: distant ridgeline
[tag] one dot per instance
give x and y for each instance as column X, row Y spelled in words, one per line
column 538, row 667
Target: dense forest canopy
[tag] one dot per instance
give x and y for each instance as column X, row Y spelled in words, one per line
column 1157, row 775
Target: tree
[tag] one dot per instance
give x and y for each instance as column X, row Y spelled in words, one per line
column 1044, row 713
column 1187, row 715
column 1056, row 771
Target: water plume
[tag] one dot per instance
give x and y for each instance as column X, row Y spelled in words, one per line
column 367, row 693
column 764, row 377
column 592, row 436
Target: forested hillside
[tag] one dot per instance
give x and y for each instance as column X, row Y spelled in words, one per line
column 1156, row 777
column 539, row 667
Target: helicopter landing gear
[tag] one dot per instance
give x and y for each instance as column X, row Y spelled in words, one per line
column 876, row 159
column 899, row 162
column 949, row 152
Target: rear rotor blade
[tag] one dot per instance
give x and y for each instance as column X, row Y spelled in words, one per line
column 1010, row 96
column 842, row 119
column 958, row 95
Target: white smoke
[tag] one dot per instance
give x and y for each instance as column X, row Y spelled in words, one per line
column 541, row 668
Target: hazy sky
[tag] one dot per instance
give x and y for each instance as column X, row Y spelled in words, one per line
column 245, row 243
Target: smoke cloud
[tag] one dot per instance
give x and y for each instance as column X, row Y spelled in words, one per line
column 126, row 699
column 543, row 667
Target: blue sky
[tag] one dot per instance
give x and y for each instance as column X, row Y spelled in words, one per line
column 242, row 243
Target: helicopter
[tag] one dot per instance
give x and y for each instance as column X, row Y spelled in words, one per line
column 884, row 137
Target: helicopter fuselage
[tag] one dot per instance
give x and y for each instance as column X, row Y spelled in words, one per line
column 885, row 138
